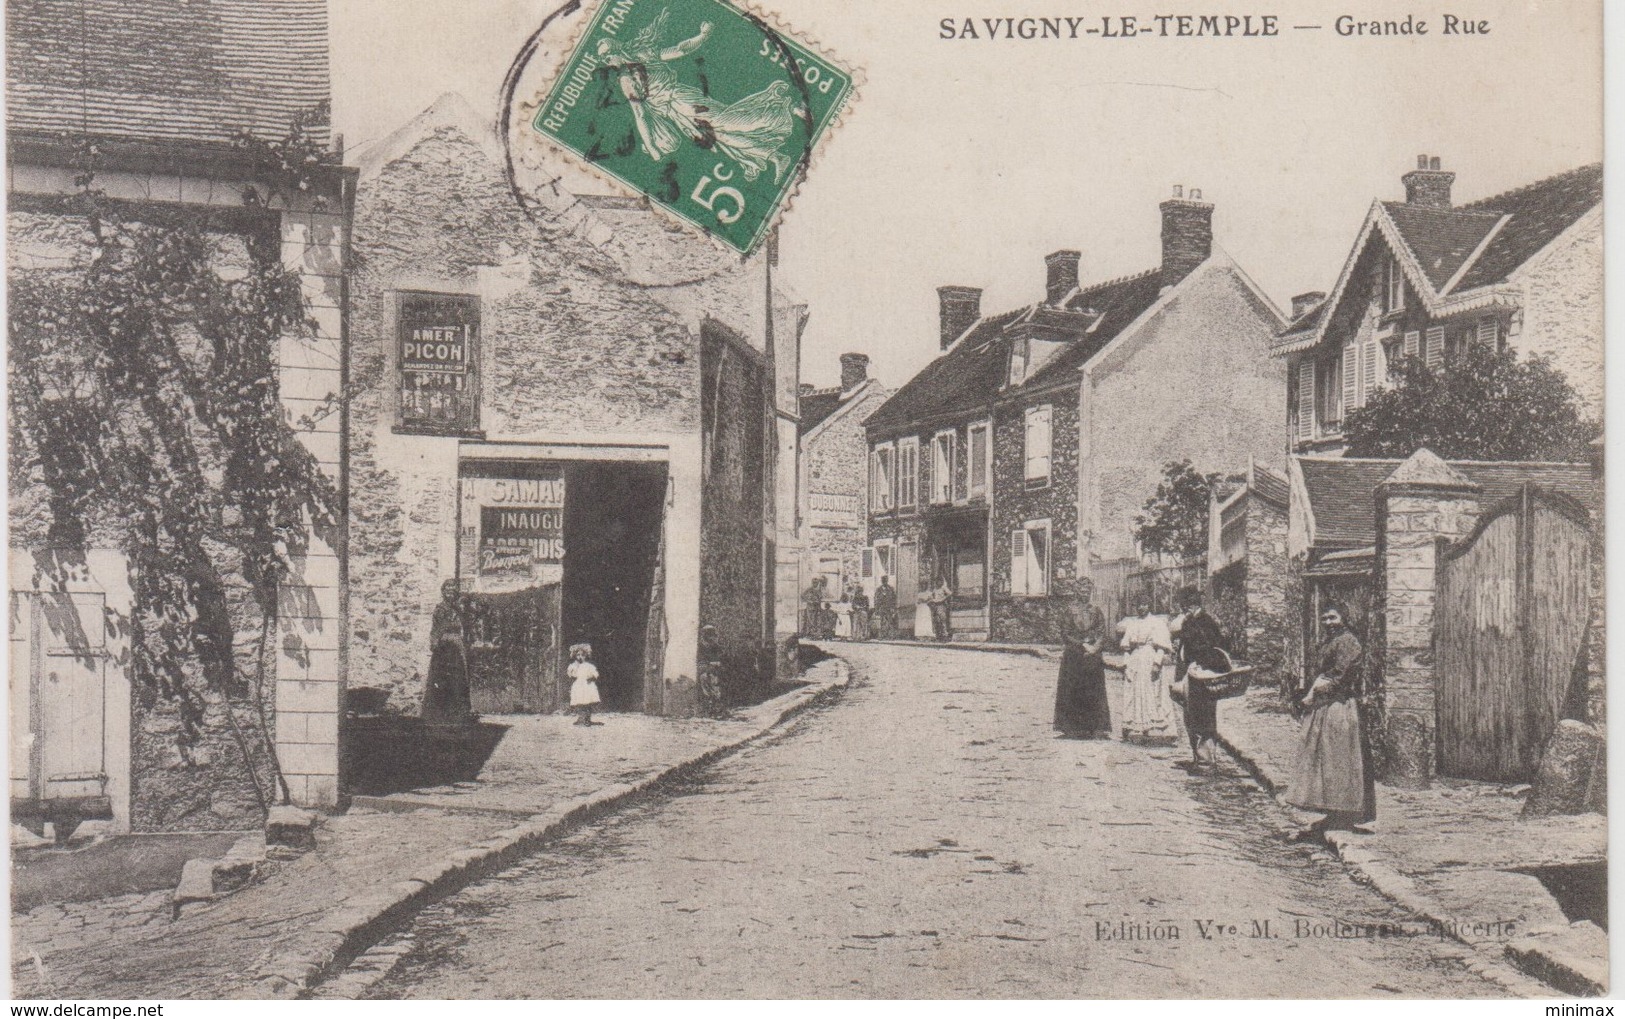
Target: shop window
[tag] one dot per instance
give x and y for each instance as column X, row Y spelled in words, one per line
column 438, row 338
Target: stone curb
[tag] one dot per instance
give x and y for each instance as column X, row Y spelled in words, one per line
column 1035, row 650
column 1371, row 869
column 360, row 921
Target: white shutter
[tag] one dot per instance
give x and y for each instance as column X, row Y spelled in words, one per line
column 1018, row 562
column 1413, row 343
column 876, row 487
column 1351, row 377
column 1487, row 330
column 1038, row 442
column 1370, row 355
column 1038, row 561
column 1306, row 399
column 1435, row 346
column 976, row 467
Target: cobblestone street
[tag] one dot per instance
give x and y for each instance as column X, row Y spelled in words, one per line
column 927, row 836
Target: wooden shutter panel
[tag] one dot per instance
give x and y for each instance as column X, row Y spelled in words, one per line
column 867, row 561
column 1488, row 328
column 1306, row 399
column 1370, row 355
column 1413, row 343
column 1435, row 346
column 1018, row 562
column 1351, row 377
column 927, row 472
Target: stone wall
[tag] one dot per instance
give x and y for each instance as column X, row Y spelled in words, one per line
column 732, row 569
column 1271, row 612
column 835, row 461
column 590, row 322
column 1015, row 502
column 1563, row 309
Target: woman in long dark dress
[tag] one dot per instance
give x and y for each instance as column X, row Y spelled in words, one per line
column 1199, row 633
column 447, row 698
column 1333, row 774
column 1081, row 709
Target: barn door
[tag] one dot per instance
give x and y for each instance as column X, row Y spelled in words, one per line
column 1509, row 621
column 58, row 689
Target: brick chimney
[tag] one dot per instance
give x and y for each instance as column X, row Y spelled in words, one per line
column 1187, row 234
column 960, row 308
column 1303, row 302
column 1427, row 185
column 806, row 389
column 1060, row 274
column 854, row 370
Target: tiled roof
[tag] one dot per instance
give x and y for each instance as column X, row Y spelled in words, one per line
column 1307, row 322
column 165, row 70
column 1342, row 491
column 1441, row 239
column 974, row 371
column 1270, row 485
column 1539, row 211
column 816, row 406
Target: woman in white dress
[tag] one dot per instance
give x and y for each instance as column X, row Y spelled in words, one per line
column 1148, row 712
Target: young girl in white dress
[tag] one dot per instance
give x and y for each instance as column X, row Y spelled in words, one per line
column 583, row 683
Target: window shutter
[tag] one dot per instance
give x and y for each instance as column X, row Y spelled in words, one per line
column 1038, row 561
column 1351, row 377
column 1435, row 346
column 1306, row 399
column 927, row 473
column 1370, row 354
column 1487, row 333
column 1413, row 343
column 1018, row 562
column 867, row 563
column 875, row 501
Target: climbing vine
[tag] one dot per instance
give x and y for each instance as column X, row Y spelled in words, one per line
column 146, row 417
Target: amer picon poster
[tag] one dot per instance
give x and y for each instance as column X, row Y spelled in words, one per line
column 788, row 499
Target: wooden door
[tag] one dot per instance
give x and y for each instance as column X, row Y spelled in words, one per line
column 908, row 586
column 59, row 671
column 1509, row 625
column 513, row 652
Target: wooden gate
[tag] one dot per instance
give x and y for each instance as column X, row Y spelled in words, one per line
column 1509, row 621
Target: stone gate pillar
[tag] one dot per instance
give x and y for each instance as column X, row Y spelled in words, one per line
column 1423, row 500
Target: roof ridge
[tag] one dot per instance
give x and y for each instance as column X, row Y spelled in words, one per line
column 1543, row 182
column 1116, row 280
column 1459, row 210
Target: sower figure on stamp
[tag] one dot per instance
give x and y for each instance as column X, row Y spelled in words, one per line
column 1199, row 633
column 446, row 697
column 1333, row 773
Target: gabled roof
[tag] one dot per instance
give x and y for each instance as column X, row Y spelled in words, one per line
column 165, row 70
column 816, row 406
column 1448, row 252
column 973, row 373
column 1441, row 239
column 1270, row 485
column 1342, row 490
column 1539, row 212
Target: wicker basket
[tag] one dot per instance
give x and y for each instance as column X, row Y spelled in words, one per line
column 1219, row 674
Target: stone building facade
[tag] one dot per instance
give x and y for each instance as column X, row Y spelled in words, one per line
column 167, row 143
column 1251, row 578
column 1082, row 399
column 832, row 523
column 610, row 379
column 1520, row 270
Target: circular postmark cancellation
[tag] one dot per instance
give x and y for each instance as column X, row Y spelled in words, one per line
column 707, row 110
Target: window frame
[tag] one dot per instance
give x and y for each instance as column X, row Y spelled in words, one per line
column 882, row 480
column 979, row 483
column 942, row 471
column 1025, row 569
column 1046, row 411
column 908, row 473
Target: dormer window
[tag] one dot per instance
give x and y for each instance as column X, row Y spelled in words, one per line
column 1018, row 361
column 1393, row 285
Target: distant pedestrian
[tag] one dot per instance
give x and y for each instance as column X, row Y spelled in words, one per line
column 711, row 701
column 1198, row 634
column 446, row 696
column 1081, row 708
column 859, row 599
column 583, row 683
column 812, row 602
column 941, row 619
column 1148, row 711
column 1333, row 773
column 885, row 613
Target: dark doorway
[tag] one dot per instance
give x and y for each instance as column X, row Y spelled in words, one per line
column 612, row 522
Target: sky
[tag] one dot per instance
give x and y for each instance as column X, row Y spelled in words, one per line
column 965, row 161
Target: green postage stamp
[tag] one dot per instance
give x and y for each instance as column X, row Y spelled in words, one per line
column 703, row 107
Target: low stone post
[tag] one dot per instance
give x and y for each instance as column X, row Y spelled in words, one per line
column 1423, row 500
